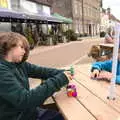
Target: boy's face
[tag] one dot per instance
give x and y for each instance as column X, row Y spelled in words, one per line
column 16, row 53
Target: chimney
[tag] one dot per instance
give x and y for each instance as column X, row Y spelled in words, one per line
column 108, row 10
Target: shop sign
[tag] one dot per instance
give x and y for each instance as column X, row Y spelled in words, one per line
column 4, row 3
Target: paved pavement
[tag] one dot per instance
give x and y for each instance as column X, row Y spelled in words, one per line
column 63, row 54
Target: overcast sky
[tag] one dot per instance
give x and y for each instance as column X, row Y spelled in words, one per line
column 114, row 5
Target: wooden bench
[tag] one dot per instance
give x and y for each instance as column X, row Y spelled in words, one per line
column 91, row 102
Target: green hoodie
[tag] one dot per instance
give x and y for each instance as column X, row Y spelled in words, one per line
column 17, row 101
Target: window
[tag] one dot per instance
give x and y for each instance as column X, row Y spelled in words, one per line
column 75, row 7
column 15, row 4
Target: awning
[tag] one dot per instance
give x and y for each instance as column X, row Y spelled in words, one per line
column 52, row 19
column 7, row 15
column 49, row 18
column 64, row 19
column 35, row 17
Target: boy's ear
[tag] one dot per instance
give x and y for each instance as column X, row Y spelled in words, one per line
column 25, row 57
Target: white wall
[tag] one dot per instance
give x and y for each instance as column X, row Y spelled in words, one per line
column 5, row 27
column 28, row 6
column 46, row 10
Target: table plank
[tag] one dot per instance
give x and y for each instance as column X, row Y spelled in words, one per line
column 71, row 108
column 95, row 105
column 86, row 68
column 106, row 45
column 100, row 91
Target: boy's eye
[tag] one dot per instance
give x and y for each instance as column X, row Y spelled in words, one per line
column 22, row 47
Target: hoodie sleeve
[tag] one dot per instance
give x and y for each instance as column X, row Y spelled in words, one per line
column 35, row 71
column 12, row 91
column 118, row 79
column 105, row 65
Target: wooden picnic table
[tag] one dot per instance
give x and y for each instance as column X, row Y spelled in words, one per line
column 91, row 102
column 106, row 47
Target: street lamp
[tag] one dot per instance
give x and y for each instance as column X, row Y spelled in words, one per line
column 101, row 3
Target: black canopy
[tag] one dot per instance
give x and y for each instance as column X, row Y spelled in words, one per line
column 35, row 17
column 8, row 15
column 49, row 18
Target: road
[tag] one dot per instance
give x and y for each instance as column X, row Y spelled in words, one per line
column 63, row 54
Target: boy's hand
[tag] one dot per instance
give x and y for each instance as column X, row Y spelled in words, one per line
column 105, row 75
column 95, row 73
column 68, row 75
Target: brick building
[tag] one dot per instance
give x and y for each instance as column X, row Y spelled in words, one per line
column 107, row 19
column 85, row 14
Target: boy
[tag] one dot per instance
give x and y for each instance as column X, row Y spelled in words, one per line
column 102, row 70
column 17, row 101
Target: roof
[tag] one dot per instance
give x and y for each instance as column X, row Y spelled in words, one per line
column 112, row 17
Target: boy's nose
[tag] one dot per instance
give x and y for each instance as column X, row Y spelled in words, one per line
column 24, row 51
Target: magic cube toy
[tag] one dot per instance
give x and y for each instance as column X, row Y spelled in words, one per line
column 71, row 91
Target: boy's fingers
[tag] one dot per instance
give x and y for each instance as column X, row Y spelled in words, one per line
column 68, row 75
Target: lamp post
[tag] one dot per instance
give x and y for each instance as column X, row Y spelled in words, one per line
column 101, row 3
column 83, row 30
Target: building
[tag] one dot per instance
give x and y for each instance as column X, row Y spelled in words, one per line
column 34, row 11
column 31, row 6
column 107, row 19
column 85, row 14
column 43, row 2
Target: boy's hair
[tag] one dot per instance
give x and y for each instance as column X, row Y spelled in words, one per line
column 9, row 40
column 94, row 51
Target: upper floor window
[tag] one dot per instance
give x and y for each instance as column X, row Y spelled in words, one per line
column 75, row 7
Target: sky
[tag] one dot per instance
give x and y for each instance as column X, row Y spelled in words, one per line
column 114, row 5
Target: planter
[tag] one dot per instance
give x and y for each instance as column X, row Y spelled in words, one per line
column 49, row 41
column 64, row 39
